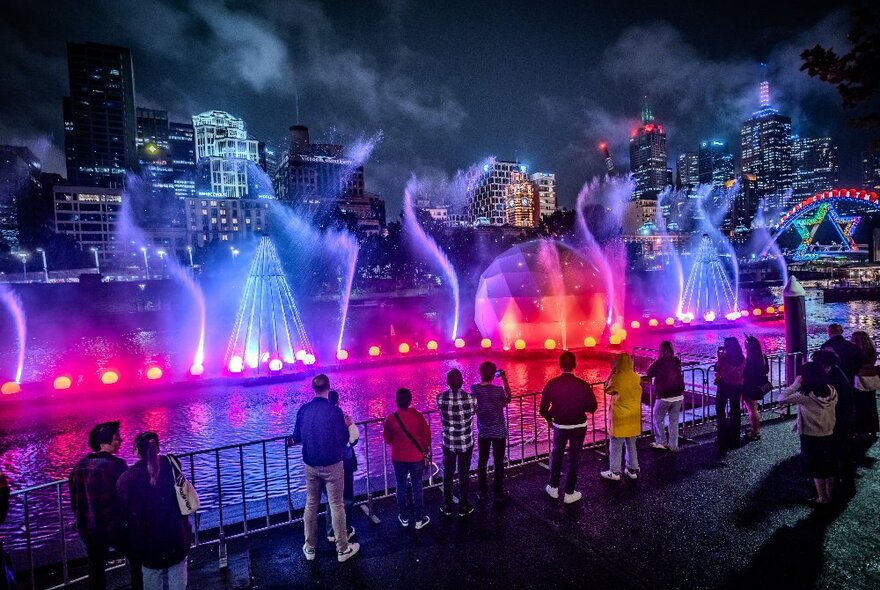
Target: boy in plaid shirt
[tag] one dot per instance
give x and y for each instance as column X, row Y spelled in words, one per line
column 457, row 409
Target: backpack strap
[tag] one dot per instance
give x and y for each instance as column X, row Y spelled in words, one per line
column 408, row 435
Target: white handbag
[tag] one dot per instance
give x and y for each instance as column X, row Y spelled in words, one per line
column 187, row 497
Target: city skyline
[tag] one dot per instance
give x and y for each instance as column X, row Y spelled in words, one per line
column 422, row 101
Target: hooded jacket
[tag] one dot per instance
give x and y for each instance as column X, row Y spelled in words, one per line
column 625, row 388
column 816, row 415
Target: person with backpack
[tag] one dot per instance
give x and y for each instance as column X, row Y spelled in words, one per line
column 159, row 534
column 668, row 383
column 409, row 437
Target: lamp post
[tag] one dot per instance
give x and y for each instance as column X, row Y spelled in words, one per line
column 190, row 250
column 161, row 254
column 234, row 252
column 45, row 266
column 24, row 257
column 146, row 262
column 97, row 263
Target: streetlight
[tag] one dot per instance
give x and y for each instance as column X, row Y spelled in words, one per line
column 24, row 258
column 146, row 262
column 45, row 267
column 234, row 252
column 190, row 250
column 97, row 263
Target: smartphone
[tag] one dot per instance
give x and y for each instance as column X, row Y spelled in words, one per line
column 499, row 372
column 720, row 350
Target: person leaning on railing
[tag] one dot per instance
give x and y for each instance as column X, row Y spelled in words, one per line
column 668, row 383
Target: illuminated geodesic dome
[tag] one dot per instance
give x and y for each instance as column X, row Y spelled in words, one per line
column 540, row 290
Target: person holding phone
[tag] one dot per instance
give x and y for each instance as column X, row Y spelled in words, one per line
column 491, row 428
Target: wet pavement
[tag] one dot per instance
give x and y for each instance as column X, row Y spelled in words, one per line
column 698, row 519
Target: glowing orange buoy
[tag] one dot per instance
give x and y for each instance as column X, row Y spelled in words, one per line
column 770, row 309
column 10, row 387
column 520, row 344
column 374, row 351
column 589, row 342
column 403, row 348
column 275, row 365
column 486, row 343
column 154, row 373
column 549, row 344
column 431, row 345
column 236, row 364
column 109, row 377
column 615, row 340
column 341, row 355
column 653, row 322
column 459, row 343
column 196, row 370
column 670, row 321
column 62, row 382
column 635, row 324
column 756, row 312
column 309, row 359
column 780, row 309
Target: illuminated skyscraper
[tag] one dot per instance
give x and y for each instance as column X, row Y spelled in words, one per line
column 504, row 195
column 687, row 172
column 765, row 140
column 647, row 157
column 546, row 183
column 100, row 130
column 871, row 169
column 182, row 147
column 19, row 185
column 223, row 150
column 814, row 161
column 715, row 163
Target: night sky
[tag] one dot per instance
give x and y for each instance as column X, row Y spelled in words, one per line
column 446, row 85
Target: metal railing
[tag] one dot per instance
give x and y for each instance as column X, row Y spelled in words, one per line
column 260, row 485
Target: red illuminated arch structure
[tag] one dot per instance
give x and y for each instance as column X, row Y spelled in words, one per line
column 807, row 215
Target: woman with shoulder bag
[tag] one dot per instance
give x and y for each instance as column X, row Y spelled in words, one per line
column 151, row 507
column 866, row 384
column 406, row 431
column 756, row 384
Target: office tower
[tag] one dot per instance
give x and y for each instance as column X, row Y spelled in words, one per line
column 100, row 128
column 89, row 215
column 19, row 189
column 715, row 163
column 182, row 148
column 814, row 161
column 765, row 140
column 871, row 169
column 745, row 204
column 154, row 157
column 687, row 172
column 647, row 157
column 546, row 183
column 503, row 195
column 223, row 154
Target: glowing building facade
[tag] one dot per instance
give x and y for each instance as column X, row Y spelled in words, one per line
column 765, row 140
column 814, row 161
column 100, row 130
column 687, row 172
column 223, row 150
column 871, row 169
column 89, row 215
column 546, row 184
column 648, row 157
column 19, row 185
column 714, row 163
column 504, row 195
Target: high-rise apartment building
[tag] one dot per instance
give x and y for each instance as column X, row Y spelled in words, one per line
column 765, row 140
column 19, row 184
column 871, row 169
column 100, row 128
column 154, row 154
column 504, row 195
column 182, row 147
column 715, row 163
column 223, row 155
column 687, row 172
column 546, row 183
column 648, row 157
column 814, row 162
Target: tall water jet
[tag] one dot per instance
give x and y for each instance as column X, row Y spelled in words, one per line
column 669, row 250
column 708, row 293
column 16, row 310
column 770, row 247
column 349, row 246
column 712, row 216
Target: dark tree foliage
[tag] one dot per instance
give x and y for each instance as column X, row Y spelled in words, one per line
column 855, row 74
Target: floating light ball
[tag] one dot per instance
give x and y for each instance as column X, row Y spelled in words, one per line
column 550, row 344
column 309, row 359
column 459, row 343
column 635, row 324
column 756, row 312
column 486, row 343
column 744, row 313
column 374, row 351
column 109, row 377
column 236, row 364
column 733, row 316
column 709, row 316
column 615, row 328
column 403, row 348
column 622, row 333
column 196, row 370
column 251, row 358
column 653, row 322
column 687, row 318
column 670, row 321
column 154, row 373
column 341, row 355
column 590, row 342
column 10, row 387
column 275, row 365
column 520, row 344
column 61, row 382
column 432, row 345
column 300, row 355
column 771, row 309
column 615, row 340
column 780, row 309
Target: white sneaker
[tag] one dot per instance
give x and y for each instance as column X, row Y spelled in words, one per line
column 349, row 553
column 631, row 474
column 309, row 552
column 610, row 475
column 572, row 497
column 656, row 445
column 423, row 522
column 552, row 492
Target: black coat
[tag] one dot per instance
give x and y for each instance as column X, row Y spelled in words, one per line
column 158, row 534
column 848, row 353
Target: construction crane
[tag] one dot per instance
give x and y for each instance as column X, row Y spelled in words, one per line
column 606, row 155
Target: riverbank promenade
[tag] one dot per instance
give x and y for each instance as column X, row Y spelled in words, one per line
column 699, row 519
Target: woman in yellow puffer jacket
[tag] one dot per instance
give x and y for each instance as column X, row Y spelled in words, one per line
column 625, row 388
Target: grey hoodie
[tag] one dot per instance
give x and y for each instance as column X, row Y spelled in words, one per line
column 816, row 415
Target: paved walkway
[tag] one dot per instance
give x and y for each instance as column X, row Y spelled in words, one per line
column 698, row 519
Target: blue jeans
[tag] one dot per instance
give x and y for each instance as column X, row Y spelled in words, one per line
column 415, row 471
column 176, row 576
column 661, row 409
column 615, row 453
column 574, row 438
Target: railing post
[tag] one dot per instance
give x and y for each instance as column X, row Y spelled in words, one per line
column 369, row 475
column 64, row 570
column 221, row 551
